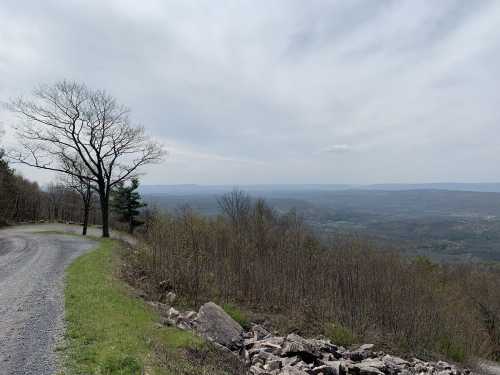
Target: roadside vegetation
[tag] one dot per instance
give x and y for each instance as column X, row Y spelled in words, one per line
column 24, row 201
column 111, row 331
column 269, row 263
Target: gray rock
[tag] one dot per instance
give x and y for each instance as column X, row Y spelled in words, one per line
column 325, row 346
column 256, row 370
column 297, row 345
column 170, row 297
column 330, row 369
column 375, row 363
column 172, row 313
column 271, row 345
column 189, row 315
column 292, row 371
column 260, row 332
column 393, row 361
column 272, row 365
column 263, row 357
column 216, row 325
column 357, row 355
column 366, row 370
column 290, row 361
column 366, row 347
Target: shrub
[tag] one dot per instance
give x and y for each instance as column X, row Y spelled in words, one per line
column 451, row 349
column 238, row 315
column 339, row 335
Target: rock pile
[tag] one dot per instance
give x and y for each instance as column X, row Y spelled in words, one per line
column 267, row 354
column 294, row 355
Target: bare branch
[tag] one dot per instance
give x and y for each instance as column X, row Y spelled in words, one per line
column 83, row 133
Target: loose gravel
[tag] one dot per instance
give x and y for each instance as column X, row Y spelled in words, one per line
column 32, row 297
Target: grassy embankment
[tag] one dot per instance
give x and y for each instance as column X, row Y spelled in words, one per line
column 109, row 331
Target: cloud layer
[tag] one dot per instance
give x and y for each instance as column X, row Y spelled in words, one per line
column 282, row 91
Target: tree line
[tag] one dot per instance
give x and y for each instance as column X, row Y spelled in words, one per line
column 24, row 201
column 269, row 262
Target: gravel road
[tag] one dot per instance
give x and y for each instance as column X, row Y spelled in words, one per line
column 31, row 296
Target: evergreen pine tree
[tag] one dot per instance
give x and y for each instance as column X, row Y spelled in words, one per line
column 126, row 202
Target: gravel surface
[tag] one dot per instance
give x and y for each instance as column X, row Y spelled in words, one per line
column 31, row 296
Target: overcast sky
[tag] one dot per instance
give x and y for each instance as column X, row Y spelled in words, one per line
column 244, row 92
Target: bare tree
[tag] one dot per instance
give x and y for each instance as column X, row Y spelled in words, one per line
column 80, row 181
column 68, row 126
column 236, row 206
column 84, row 188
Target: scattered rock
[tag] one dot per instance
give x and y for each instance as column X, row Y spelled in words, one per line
column 268, row 354
column 216, row 325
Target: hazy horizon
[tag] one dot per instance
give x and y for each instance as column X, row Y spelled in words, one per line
column 286, row 92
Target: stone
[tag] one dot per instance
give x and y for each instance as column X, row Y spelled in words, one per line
column 214, row 324
column 325, row 346
column 393, row 361
column 273, row 365
column 170, row 297
column 263, row 357
column 328, row 370
column 356, row 355
column 366, row 370
column 375, row 363
column 260, row 332
column 255, row 370
column 297, row 345
column 292, row 371
column 443, row 365
column 172, row 313
column 189, row 315
column 290, row 361
column 271, row 345
column 366, row 347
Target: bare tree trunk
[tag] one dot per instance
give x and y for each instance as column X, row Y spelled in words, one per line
column 131, row 225
column 86, row 218
column 105, row 215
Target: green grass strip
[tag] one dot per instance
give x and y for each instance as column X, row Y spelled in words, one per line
column 108, row 331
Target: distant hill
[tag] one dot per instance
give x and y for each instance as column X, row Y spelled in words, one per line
column 493, row 187
column 190, row 189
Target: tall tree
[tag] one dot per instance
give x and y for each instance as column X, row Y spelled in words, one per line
column 68, row 123
column 7, row 189
column 7, row 186
column 126, row 203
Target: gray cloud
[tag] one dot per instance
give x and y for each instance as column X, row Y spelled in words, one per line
column 248, row 92
column 337, row 149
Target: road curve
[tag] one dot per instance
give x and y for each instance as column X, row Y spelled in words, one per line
column 31, row 297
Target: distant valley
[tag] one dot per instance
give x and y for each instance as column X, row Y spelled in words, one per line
column 419, row 219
